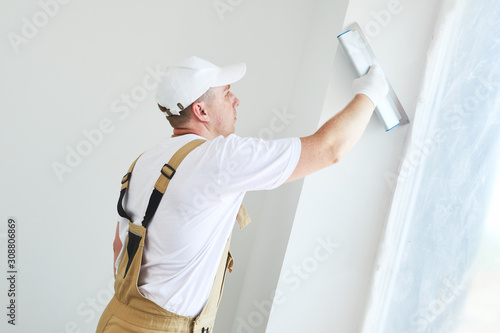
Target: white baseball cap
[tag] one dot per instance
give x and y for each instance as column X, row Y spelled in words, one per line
column 184, row 83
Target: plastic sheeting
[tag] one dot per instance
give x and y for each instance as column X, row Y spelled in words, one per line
column 439, row 242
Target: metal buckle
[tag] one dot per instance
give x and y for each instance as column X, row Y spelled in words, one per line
column 164, row 172
column 126, row 178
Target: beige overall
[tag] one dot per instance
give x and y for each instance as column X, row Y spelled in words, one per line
column 129, row 311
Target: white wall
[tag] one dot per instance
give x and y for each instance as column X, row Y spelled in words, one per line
column 325, row 278
column 70, row 72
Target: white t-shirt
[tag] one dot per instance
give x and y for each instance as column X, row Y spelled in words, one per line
column 187, row 235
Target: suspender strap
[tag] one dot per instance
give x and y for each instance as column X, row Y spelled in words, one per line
column 204, row 322
column 125, row 183
column 167, row 172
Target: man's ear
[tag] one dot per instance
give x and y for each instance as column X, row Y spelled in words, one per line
column 200, row 112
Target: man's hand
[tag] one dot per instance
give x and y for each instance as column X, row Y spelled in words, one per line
column 373, row 84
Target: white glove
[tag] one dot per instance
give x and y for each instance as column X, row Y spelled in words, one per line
column 373, row 85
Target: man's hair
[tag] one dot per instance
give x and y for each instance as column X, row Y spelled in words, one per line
column 186, row 115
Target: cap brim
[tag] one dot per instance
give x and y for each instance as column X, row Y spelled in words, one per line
column 230, row 74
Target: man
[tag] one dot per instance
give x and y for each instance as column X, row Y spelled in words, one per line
column 177, row 286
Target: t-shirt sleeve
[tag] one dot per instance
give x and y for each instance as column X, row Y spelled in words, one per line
column 250, row 164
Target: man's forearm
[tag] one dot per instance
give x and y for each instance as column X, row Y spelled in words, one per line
column 334, row 139
column 345, row 129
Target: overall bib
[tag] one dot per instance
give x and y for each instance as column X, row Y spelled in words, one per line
column 129, row 311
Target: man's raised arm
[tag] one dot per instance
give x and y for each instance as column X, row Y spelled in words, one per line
column 339, row 134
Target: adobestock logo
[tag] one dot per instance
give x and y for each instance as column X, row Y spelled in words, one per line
column 470, row 104
column 223, row 6
column 278, row 123
column 291, row 280
column 89, row 310
column 430, row 313
column 382, row 18
column 420, row 150
column 120, row 108
column 31, row 28
column 454, row 116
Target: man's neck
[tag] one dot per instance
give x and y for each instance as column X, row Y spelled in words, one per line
column 184, row 131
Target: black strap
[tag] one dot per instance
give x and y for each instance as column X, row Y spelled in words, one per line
column 120, row 208
column 133, row 243
column 166, row 174
column 154, row 202
column 125, row 183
